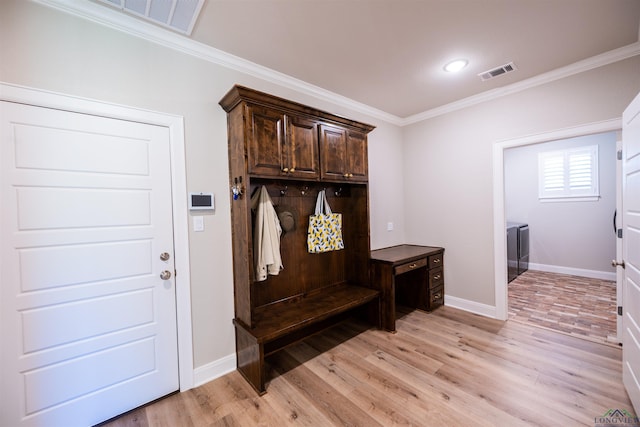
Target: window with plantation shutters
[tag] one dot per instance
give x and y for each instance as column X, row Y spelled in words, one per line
column 569, row 174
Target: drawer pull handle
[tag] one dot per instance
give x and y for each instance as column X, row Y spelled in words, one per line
column 414, row 265
column 436, row 297
column 437, row 277
column 437, row 261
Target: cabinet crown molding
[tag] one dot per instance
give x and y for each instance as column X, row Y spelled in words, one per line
column 238, row 94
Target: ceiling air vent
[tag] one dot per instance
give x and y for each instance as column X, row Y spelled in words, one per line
column 498, row 71
column 179, row 15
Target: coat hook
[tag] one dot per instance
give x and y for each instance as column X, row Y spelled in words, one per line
column 338, row 192
column 283, row 192
column 304, row 190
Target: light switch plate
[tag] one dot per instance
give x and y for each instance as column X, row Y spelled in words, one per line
column 198, row 223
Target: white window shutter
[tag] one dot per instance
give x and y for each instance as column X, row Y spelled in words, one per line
column 571, row 173
column 553, row 174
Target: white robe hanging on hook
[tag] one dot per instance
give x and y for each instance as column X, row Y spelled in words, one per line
column 266, row 236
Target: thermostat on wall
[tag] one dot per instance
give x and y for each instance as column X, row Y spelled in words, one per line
column 200, row 201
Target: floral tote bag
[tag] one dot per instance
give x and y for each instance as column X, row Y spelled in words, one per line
column 325, row 228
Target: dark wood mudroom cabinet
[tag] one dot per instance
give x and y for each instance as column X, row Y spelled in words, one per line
column 295, row 151
column 410, row 275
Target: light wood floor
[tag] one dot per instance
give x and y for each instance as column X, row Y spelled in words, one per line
column 574, row 305
column 446, row 368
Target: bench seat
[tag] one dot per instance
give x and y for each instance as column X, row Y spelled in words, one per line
column 285, row 323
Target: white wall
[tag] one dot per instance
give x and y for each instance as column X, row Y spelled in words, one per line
column 47, row 49
column 564, row 235
column 449, row 170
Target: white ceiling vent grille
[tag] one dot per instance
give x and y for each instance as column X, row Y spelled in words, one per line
column 498, row 71
column 179, row 15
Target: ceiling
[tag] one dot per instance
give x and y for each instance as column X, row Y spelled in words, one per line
column 389, row 54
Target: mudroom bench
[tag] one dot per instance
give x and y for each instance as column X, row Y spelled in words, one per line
column 288, row 322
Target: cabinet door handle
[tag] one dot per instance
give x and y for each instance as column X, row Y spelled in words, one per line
column 285, row 170
column 346, row 175
column 292, row 170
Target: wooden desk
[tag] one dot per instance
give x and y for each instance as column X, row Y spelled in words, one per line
column 409, row 274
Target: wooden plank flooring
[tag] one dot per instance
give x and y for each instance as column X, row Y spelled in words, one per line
column 448, row 368
column 573, row 305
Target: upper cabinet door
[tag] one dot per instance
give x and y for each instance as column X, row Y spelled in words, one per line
column 265, row 137
column 301, row 148
column 333, row 147
column 357, row 159
column 343, row 154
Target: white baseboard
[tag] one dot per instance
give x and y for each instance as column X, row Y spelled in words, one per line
column 471, row 306
column 213, row 370
column 593, row 274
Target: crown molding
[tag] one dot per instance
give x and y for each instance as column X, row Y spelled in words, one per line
column 119, row 21
column 606, row 58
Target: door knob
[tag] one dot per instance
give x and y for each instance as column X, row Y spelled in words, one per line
column 165, row 275
column 615, row 263
column 164, row 256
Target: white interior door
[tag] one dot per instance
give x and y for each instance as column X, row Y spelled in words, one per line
column 88, row 326
column 631, row 251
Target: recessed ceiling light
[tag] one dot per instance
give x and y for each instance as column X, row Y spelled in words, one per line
column 455, row 66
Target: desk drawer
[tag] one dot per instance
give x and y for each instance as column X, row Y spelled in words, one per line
column 436, row 277
column 436, row 297
column 435, row 260
column 410, row 266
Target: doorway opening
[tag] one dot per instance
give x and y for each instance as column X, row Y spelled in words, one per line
column 532, row 295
